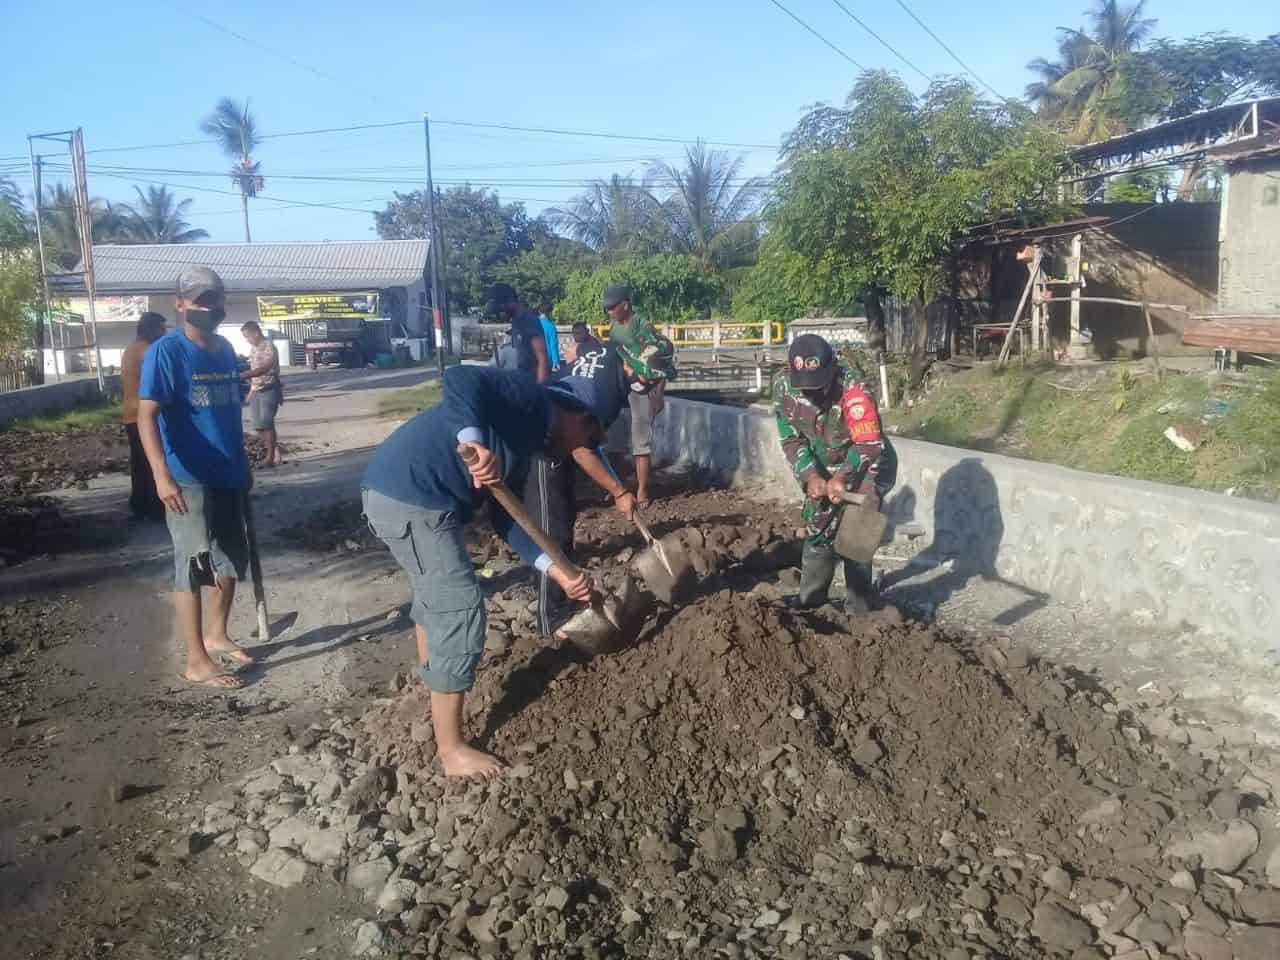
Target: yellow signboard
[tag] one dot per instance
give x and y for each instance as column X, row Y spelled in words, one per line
column 318, row 306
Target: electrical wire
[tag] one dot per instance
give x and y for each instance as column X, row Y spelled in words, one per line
column 954, row 56
column 780, row 6
column 881, row 40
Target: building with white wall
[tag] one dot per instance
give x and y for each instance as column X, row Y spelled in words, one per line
column 135, row 278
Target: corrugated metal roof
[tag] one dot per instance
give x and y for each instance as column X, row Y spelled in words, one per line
column 258, row 267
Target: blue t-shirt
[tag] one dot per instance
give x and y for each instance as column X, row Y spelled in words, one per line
column 198, row 391
column 552, row 339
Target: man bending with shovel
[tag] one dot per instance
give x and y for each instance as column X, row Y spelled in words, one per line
column 830, row 431
column 419, row 493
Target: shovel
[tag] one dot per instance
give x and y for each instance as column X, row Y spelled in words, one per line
column 606, row 625
column 255, row 571
column 860, row 531
column 663, row 564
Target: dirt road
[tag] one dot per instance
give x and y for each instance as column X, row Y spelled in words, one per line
column 91, row 705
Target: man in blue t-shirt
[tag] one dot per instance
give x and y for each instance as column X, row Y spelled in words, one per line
column 189, row 423
column 550, row 337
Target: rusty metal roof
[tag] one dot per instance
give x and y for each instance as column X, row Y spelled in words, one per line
column 256, row 267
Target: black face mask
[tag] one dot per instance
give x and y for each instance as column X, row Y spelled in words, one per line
column 206, row 320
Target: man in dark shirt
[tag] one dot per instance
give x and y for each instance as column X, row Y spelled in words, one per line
column 418, row 496
column 528, row 343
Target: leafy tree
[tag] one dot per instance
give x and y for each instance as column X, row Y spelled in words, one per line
column 872, row 196
column 665, row 288
column 710, row 212
column 234, row 128
column 540, row 275
column 1073, row 90
column 159, row 217
column 19, row 298
column 15, row 231
column 61, row 233
column 480, row 234
column 1141, row 187
column 780, row 287
column 617, row 218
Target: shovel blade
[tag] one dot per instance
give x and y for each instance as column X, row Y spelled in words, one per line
column 859, row 534
column 665, row 568
column 607, row 626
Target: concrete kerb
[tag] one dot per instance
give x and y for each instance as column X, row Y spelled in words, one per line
column 1166, row 555
column 53, row 398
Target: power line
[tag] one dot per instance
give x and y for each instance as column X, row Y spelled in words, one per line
column 777, row 4
column 275, row 53
column 954, row 56
column 881, row 40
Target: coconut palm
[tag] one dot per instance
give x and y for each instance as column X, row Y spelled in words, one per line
column 1073, row 90
column 710, row 211
column 160, row 217
column 617, row 217
column 233, row 127
column 62, row 234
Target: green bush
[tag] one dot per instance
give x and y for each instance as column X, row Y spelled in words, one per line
column 666, row 289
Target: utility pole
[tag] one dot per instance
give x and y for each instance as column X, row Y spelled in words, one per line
column 444, row 268
column 433, row 253
column 85, row 215
column 37, row 183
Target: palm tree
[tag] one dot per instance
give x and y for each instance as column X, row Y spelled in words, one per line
column 159, row 217
column 710, row 212
column 1073, row 90
column 617, row 217
column 233, row 127
column 61, row 233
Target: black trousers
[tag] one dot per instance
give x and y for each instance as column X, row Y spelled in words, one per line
column 549, row 498
column 143, row 501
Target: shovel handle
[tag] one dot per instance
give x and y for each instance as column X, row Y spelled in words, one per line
column 857, row 499
column 515, row 509
column 643, row 528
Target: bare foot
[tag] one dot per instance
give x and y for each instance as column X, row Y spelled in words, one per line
column 230, row 650
column 469, row 762
column 211, row 675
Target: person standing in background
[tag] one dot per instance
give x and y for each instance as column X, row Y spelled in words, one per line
column 527, row 350
column 144, row 504
column 648, row 359
column 265, row 392
column 550, row 337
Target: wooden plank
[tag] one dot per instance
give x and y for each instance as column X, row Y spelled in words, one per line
column 1251, row 334
column 1026, row 295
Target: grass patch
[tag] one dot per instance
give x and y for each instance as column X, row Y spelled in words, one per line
column 1114, row 422
column 90, row 416
column 411, row 401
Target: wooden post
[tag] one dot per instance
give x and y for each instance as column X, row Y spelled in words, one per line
column 1022, row 303
column 1074, row 275
column 1152, row 344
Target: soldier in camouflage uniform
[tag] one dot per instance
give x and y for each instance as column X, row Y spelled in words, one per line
column 830, row 431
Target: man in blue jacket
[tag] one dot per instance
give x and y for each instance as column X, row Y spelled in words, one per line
column 419, row 495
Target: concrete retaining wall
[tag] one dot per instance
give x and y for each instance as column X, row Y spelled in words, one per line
column 52, row 397
column 1167, row 553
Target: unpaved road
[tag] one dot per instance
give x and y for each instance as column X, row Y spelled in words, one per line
column 106, row 758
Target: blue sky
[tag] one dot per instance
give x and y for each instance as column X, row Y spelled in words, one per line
column 137, row 73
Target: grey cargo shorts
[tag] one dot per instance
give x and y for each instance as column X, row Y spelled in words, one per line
column 209, row 539
column 263, row 406
column 641, row 405
column 447, row 601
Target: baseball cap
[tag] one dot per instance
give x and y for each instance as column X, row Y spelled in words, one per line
column 614, row 294
column 811, row 362
column 595, row 383
column 201, row 285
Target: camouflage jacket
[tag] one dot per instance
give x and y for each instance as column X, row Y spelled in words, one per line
column 841, row 438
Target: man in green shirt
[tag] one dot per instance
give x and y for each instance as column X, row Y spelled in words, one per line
column 648, row 357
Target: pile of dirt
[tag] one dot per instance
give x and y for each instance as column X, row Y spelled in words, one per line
column 34, row 462
column 750, row 780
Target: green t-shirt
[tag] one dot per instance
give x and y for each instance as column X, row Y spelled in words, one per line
column 649, row 352
column 629, row 334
